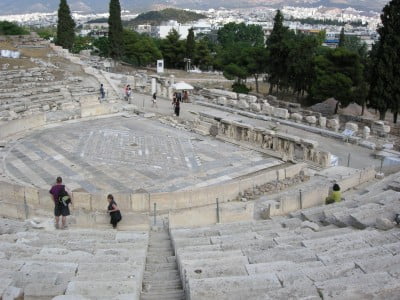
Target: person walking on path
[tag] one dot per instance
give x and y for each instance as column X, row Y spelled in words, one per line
column 154, row 100
column 177, row 107
column 62, row 198
column 128, row 92
column 114, row 211
column 102, row 92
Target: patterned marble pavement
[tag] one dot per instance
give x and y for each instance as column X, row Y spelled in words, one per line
column 125, row 154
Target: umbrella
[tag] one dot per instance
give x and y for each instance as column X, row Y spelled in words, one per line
column 182, row 86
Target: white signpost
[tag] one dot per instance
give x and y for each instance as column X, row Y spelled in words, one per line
column 160, row 66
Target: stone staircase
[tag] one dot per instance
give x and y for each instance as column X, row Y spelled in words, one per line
column 111, row 93
column 161, row 277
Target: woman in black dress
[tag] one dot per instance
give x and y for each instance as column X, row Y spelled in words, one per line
column 114, row 211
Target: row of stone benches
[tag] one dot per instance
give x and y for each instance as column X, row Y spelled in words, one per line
column 80, row 264
column 304, row 255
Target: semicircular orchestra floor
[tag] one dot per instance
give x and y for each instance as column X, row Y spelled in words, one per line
column 126, row 154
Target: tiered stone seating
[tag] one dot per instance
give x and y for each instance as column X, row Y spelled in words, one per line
column 35, row 90
column 305, row 255
column 80, row 264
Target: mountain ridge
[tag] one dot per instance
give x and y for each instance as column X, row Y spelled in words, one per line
column 8, row 7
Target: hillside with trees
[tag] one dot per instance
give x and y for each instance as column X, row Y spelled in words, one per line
column 8, row 28
column 157, row 17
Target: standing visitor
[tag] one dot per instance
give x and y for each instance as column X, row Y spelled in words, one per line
column 114, row 211
column 154, row 100
column 62, row 199
column 102, row 92
column 177, row 106
column 128, row 92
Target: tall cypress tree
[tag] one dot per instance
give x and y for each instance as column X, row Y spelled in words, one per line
column 278, row 53
column 115, row 31
column 385, row 77
column 65, row 27
column 190, row 44
column 342, row 38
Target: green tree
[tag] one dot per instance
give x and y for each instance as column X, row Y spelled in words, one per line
column 203, row 57
column 173, row 50
column 338, row 74
column 238, row 52
column 342, row 38
column 232, row 33
column 82, row 43
column 102, row 46
column 46, row 33
column 190, row 44
column 278, row 52
column 255, row 62
column 115, row 31
column 65, row 27
column 8, row 28
column 140, row 50
column 385, row 76
column 301, row 58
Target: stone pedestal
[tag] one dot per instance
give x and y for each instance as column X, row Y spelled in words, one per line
column 322, row 122
column 366, row 132
column 153, row 84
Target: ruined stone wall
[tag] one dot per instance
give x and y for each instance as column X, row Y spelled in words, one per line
column 285, row 146
column 22, row 202
column 272, row 107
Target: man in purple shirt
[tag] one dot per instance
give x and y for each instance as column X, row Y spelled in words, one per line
column 60, row 208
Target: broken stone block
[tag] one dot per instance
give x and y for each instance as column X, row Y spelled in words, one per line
column 13, row 293
column 242, row 104
column 351, row 126
column 296, row 117
column 232, row 103
column 221, row 101
column 380, row 128
column 282, row 113
column 383, row 223
column 333, row 124
column 322, row 122
column 271, row 98
column 255, row 107
column 248, row 98
column 311, row 120
column 307, row 224
column 268, row 110
column 366, row 132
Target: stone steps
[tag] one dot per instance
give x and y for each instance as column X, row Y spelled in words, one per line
column 161, row 278
column 88, row 263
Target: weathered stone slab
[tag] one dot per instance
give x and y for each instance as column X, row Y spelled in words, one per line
column 364, row 284
column 349, row 256
column 280, row 266
column 101, row 288
column 383, row 263
column 209, row 268
column 281, row 253
column 365, row 216
column 39, row 291
column 185, row 256
column 227, row 287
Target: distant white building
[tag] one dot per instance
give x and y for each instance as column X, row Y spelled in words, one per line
column 164, row 29
column 145, row 28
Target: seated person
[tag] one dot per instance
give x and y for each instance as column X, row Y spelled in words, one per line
column 335, row 195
